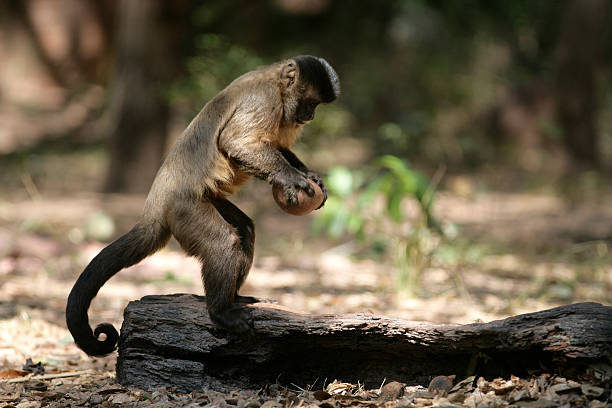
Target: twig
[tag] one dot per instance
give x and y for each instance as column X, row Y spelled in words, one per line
column 46, row 376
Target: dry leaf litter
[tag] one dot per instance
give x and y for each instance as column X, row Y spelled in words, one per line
column 27, row 388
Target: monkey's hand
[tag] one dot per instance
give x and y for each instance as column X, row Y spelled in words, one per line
column 292, row 183
column 317, row 179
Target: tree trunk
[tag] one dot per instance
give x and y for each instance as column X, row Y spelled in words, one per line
column 139, row 111
column 579, row 49
column 170, row 341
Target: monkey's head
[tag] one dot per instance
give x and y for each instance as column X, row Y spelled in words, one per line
column 306, row 82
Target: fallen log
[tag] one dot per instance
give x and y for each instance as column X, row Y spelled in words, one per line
column 170, row 341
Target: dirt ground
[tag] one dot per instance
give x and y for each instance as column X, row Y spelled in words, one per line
column 530, row 251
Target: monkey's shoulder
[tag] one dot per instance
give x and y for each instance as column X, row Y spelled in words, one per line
column 258, row 87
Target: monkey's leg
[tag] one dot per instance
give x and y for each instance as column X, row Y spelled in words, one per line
column 222, row 237
column 245, row 229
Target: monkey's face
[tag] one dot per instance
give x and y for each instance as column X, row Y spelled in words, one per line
column 306, row 81
column 300, row 105
column 305, row 111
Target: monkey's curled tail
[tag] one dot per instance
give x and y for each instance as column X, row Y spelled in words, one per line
column 140, row 242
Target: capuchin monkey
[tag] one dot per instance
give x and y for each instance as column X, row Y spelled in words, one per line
column 246, row 130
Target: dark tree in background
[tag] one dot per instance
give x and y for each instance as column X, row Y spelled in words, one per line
column 579, row 57
column 147, row 40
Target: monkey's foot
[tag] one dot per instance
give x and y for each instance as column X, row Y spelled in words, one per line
column 236, row 319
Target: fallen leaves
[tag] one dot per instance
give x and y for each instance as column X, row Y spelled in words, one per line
column 499, row 386
column 591, row 391
column 100, row 389
column 392, row 390
column 441, row 384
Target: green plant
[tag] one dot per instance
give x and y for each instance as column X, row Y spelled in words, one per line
column 371, row 205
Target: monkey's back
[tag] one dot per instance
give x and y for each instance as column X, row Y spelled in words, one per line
column 195, row 166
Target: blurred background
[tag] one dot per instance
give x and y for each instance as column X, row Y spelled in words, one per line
column 468, row 159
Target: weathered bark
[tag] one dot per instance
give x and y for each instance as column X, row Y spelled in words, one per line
column 170, row 341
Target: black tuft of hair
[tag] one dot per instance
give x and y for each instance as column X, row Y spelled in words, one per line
column 321, row 75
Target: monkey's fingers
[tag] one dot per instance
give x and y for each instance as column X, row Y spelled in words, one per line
column 324, row 190
column 305, row 185
column 291, row 195
column 292, row 190
column 317, row 179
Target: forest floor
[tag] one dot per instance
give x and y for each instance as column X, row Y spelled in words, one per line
column 516, row 252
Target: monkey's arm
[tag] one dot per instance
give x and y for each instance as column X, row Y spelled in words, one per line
column 294, row 161
column 265, row 162
column 297, row 163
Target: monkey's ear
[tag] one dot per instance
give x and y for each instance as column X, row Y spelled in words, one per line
column 288, row 74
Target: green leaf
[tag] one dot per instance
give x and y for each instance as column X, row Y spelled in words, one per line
column 387, row 182
column 355, row 223
column 340, row 181
column 394, row 205
column 371, row 191
column 402, row 172
column 392, row 163
column 421, row 188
